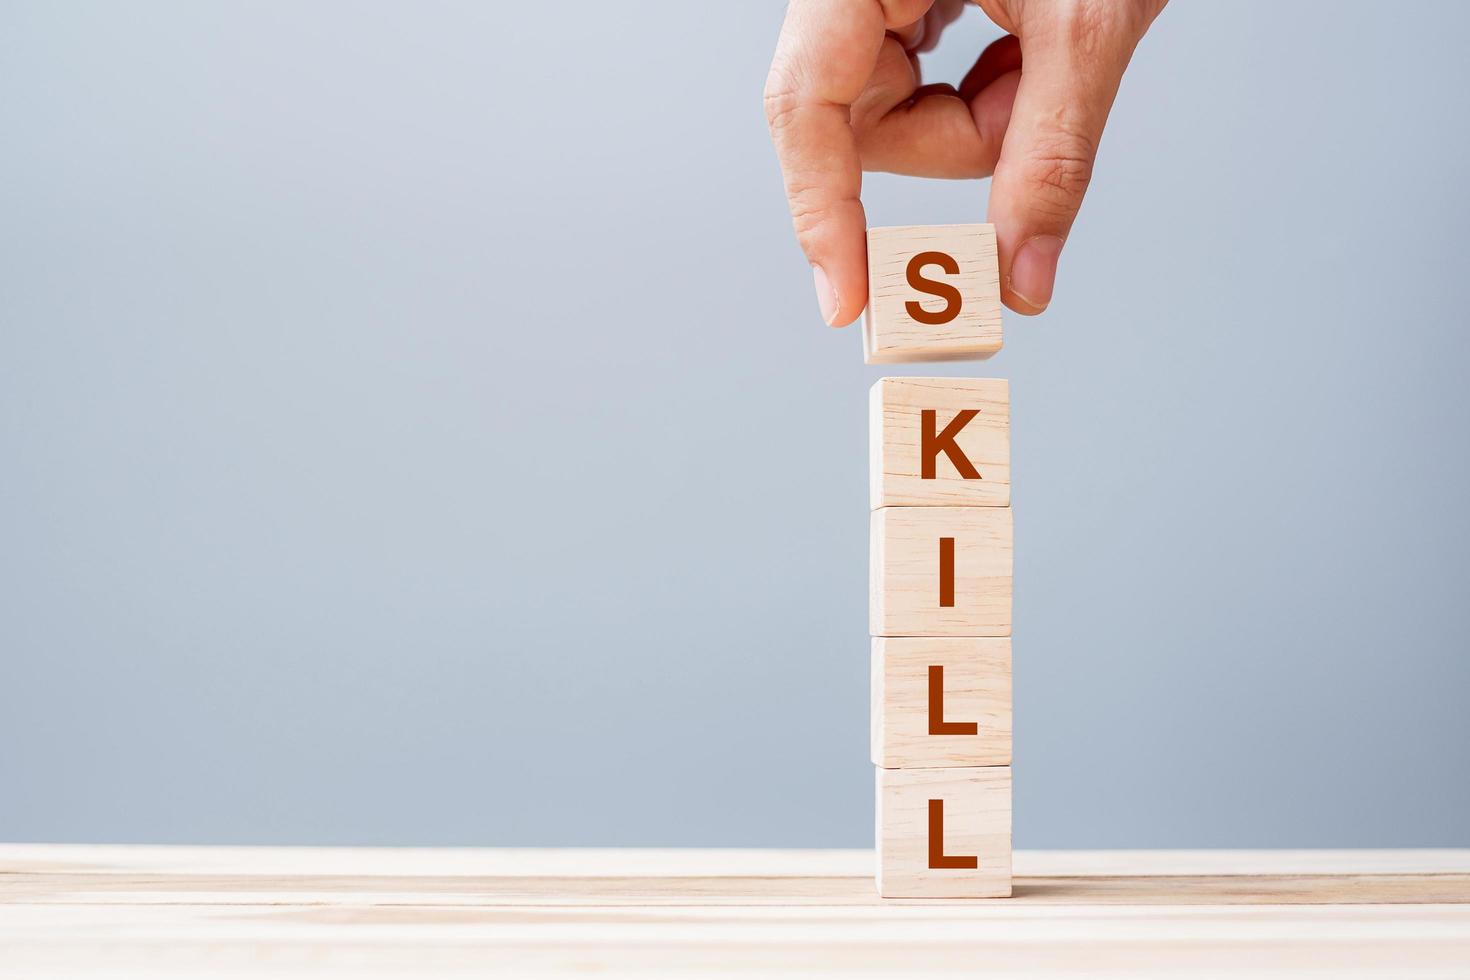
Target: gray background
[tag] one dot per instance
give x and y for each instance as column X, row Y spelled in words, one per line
column 416, row 428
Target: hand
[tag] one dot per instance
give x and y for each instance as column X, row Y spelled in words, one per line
column 844, row 96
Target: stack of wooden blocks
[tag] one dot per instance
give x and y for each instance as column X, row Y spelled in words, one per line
column 940, row 603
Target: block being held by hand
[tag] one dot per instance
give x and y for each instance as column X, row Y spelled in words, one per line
column 933, row 294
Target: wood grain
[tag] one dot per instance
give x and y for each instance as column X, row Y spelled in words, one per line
column 904, row 580
column 129, row 860
column 976, row 808
column 895, row 427
column 126, row 911
column 976, row 676
column 891, row 335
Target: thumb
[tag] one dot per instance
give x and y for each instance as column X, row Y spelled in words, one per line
column 1071, row 65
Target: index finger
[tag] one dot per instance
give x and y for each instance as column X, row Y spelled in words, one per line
column 827, row 51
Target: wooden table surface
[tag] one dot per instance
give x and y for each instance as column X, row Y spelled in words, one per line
column 89, row 911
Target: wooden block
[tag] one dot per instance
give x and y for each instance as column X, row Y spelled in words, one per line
column 937, row 441
column 944, row 833
column 933, row 294
column 940, row 571
column 941, row 701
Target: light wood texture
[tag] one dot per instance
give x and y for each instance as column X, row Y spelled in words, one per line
column 891, row 334
column 896, row 457
column 976, row 809
column 116, row 911
column 905, row 575
column 976, row 689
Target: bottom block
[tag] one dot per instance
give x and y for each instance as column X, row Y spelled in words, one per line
column 944, row 833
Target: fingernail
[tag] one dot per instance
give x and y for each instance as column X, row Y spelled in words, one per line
column 1034, row 270
column 826, row 295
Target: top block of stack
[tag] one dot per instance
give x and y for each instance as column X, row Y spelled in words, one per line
column 933, row 294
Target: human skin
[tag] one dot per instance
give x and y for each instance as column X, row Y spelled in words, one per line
column 844, row 95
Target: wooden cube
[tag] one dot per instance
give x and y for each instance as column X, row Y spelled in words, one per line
column 933, row 294
column 937, row 441
column 941, row 701
column 940, row 571
column 944, row 833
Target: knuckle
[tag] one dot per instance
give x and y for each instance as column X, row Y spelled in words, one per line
column 781, row 101
column 1101, row 28
column 1058, row 169
column 1083, row 20
column 808, row 207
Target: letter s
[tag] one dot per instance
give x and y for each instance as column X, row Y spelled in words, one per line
column 932, row 287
